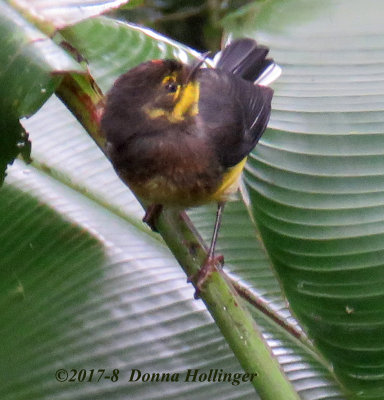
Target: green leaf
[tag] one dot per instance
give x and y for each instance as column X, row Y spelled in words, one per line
column 28, row 62
column 27, row 58
column 132, row 4
column 83, row 288
column 13, row 141
column 124, row 45
column 127, row 305
column 316, row 178
column 61, row 13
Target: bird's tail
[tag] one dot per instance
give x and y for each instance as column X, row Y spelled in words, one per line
column 247, row 59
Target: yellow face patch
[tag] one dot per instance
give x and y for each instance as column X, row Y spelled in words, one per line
column 186, row 100
column 188, row 103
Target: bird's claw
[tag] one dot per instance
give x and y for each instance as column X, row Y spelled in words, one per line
column 152, row 215
column 209, row 266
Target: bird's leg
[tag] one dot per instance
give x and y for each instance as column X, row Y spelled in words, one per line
column 212, row 260
column 152, row 215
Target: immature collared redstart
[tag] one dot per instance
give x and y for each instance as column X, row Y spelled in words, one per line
column 179, row 135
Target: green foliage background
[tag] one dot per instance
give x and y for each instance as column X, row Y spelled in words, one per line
column 197, row 24
column 85, row 284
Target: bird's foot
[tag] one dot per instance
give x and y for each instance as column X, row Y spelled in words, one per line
column 209, row 266
column 152, row 215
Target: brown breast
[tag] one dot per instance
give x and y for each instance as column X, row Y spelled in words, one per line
column 182, row 172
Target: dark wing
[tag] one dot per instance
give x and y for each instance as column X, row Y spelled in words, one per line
column 234, row 113
column 244, row 58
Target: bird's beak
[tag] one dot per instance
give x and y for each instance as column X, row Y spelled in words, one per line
column 196, row 67
column 188, row 100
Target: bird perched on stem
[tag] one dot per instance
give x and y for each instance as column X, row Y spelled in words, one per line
column 179, row 135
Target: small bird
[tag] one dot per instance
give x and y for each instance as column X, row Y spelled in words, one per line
column 179, row 135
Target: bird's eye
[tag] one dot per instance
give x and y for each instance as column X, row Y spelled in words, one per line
column 171, row 87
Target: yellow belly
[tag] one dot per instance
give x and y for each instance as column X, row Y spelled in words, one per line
column 162, row 190
column 230, row 182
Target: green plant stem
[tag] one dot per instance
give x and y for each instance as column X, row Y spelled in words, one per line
column 82, row 96
column 224, row 304
column 85, row 100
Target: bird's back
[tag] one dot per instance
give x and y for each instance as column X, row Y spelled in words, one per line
column 234, row 110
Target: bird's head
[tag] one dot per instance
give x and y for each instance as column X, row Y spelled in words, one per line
column 161, row 89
